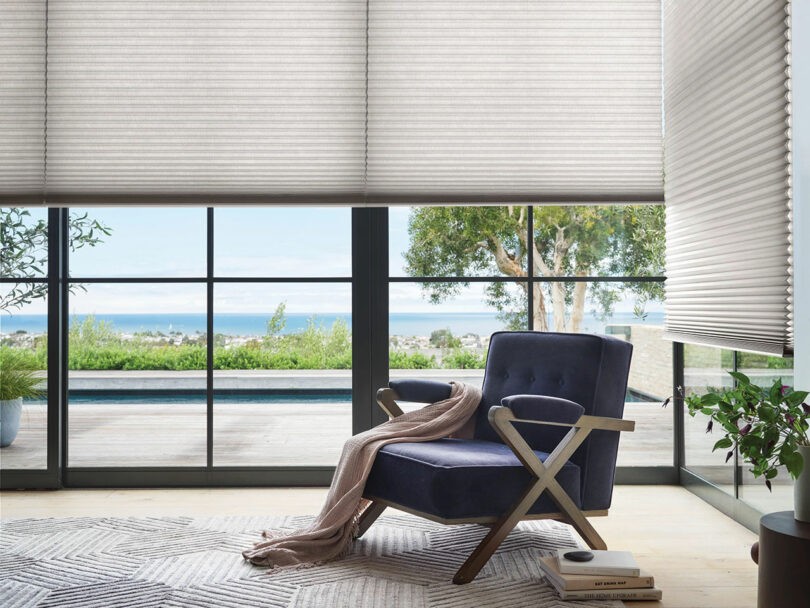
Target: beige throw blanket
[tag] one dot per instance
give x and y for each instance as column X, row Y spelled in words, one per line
column 332, row 532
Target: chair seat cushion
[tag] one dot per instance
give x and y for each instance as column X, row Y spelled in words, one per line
column 459, row 478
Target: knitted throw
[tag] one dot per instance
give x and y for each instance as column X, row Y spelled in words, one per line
column 331, row 534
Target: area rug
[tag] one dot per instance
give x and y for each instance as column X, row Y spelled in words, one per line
column 402, row 560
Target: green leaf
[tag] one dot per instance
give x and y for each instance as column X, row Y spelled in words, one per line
column 710, row 399
column 796, row 397
column 725, row 442
column 741, row 378
column 793, row 461
column 776, row 392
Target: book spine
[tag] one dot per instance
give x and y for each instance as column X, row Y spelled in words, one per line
column 610, row 583
column 619, row 594
column 628, row 572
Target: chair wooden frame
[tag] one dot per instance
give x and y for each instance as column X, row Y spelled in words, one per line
column 543, row 480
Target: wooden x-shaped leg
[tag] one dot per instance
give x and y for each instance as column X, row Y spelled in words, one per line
column 544, row 480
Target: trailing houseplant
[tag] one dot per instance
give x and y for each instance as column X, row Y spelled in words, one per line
column 19, row 379
column 768, row 427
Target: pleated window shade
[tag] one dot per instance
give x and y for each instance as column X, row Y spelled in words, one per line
column 335, row 101
column 483, row 100
column 206, row 101
column 728, row 196
column 22, row 100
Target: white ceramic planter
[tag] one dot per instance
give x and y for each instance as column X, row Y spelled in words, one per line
column 10, row 413
column 801, row 488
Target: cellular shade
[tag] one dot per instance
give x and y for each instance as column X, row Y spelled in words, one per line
column 727, row 110
column 335, row 101
column 206, row 101
column 22, row 100
column 505, row 101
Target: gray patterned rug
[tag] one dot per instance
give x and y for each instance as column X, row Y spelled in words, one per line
column 112, row 562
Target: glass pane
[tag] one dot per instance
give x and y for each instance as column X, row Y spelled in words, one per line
column 283, row 242
column 24, row 242
column 632, row 312
column 24, row 346
column 764, row 370
column 706, row 368
column 440, row 331
column 282, row 373
column 607, row 240
column 457, row 241
column 137, row 360
column 138, row 242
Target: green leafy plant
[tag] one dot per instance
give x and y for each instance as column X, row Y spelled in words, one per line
column 766, row 425
column 19, row 376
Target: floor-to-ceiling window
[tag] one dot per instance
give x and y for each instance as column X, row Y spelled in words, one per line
column 137, row 340
column 282, row 336
column 221, row 345
column 23, row 337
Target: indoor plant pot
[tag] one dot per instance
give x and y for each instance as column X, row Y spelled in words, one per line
column 801, row 488
column 10, row 414
column 19, row 379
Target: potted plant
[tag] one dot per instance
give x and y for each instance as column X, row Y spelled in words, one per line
column 769, row 428
column 18, row 380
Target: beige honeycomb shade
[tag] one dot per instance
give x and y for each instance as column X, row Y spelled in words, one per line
column 22, row 100
column 728, row 168
column 348, row 102
column 487, row 100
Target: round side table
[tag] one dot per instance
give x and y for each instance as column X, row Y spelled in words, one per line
column 784, row 562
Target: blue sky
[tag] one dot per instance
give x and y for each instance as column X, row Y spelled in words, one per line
column 166, row 242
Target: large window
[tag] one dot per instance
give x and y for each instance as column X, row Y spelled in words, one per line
column 24, row 336
column 460, row 273
column 275, row 287
column 220, row 345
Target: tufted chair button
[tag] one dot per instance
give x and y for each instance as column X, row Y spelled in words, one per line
column 505, row 375
column 561, row 381
column 531, row 378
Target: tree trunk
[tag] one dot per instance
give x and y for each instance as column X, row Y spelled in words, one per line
column 578, row 306
column 540, row 316
column 558, row 305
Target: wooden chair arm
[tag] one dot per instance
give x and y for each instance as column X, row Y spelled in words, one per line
column 386, row 399
column 500, row 414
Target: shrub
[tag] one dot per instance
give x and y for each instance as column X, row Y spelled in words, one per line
column 463, row 359
column 402, row 360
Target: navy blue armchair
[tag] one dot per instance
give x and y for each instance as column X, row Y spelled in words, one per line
column 544, row 446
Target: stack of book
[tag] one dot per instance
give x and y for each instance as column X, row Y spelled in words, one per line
column 610, row 575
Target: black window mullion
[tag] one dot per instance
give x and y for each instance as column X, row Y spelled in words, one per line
column 64, row 326
column 369, row 314
column 55, row 349
column 209, row 342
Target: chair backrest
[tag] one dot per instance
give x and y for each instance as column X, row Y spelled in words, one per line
column 588, row 369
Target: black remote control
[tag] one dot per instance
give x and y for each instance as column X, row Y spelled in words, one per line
column 579, row 556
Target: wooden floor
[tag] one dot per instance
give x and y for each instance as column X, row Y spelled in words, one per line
column 700, row 557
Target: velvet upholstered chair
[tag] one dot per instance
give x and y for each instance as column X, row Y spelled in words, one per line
column 544, row 446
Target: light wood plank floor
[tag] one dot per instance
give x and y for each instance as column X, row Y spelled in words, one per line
column 700, row 558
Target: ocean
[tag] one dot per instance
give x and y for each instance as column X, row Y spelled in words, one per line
column 238, row 324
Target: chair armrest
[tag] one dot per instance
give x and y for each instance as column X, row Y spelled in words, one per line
column 543, row 408
column 500, row 415
column 419, row 391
